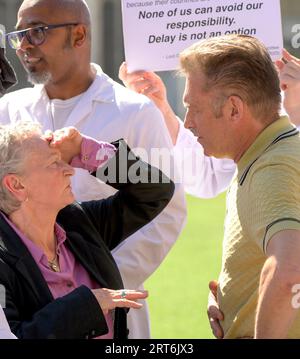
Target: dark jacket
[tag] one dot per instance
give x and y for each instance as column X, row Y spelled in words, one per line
column 93, row 229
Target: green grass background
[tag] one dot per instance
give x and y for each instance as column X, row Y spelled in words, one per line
column 178, row 290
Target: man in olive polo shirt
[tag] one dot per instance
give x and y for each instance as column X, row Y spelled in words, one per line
column 233, row 99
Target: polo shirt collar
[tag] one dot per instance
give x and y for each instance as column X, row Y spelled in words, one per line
column 273, row 133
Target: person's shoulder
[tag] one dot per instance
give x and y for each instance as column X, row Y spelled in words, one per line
column 22, row 95
column 127, row 97
column 121, row 94
column 285, row 151
column 134, row 107
column 279, row 163
column 70, row 212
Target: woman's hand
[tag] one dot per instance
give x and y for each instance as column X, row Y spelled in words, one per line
column 67, row 140
column 109, row 299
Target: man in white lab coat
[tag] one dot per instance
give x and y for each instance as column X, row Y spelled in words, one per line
column 53, row 42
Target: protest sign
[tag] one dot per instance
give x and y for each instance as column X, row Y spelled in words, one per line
column 156, row 31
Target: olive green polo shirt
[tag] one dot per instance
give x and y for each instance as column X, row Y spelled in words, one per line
column 263, row 199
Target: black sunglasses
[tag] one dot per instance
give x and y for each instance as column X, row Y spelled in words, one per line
column 36, row 36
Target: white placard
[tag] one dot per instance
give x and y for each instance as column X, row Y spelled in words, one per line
column 156, row 31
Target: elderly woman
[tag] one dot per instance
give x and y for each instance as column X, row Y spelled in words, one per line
column 55, row 261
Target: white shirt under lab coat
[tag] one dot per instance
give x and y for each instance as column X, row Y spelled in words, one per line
column 108, row 111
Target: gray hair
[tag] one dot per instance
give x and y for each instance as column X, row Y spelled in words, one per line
column 12, row 154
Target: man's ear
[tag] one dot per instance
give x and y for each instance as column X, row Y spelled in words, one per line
column 14, row 185
column 79, row 35
column 235, row 108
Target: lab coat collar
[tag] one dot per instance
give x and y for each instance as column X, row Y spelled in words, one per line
column 101, row 90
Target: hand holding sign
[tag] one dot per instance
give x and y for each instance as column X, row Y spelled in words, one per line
column 289, row 74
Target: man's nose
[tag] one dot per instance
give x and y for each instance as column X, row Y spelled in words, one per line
column 187, row 122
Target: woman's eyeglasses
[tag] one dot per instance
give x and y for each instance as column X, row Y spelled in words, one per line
column 36, row 36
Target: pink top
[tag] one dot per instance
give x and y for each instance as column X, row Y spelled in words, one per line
column 72, row 274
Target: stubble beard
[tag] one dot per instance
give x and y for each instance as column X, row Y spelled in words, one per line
column 44, row 77
column 39, row 78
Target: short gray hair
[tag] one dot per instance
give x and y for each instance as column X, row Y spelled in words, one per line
column 12, row 155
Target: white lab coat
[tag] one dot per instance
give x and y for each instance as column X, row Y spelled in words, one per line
column 108, row 111
column 5, row 332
